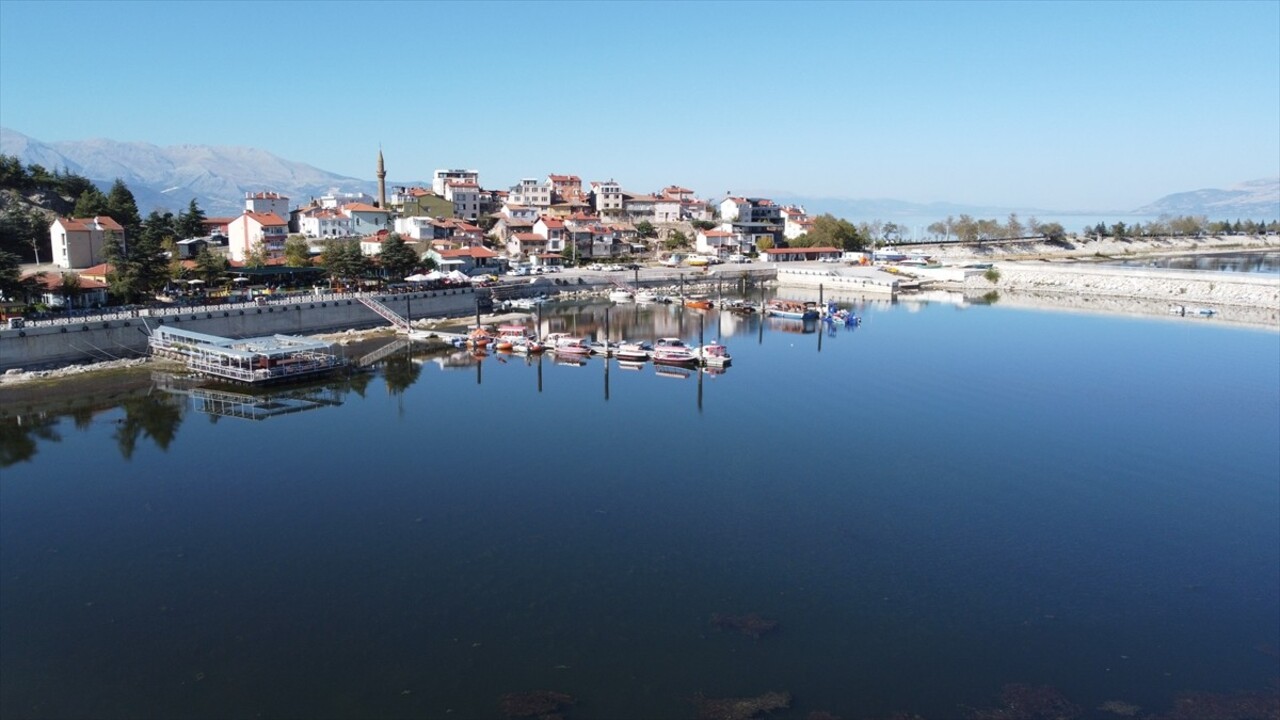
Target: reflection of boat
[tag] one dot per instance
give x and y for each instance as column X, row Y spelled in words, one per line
column 792, row 309
column 527, row 303
column 673, row 351
column 574, row 347
column 620, row 295
column 630, row 364
column 571, row 360
column 714, row 355
column 644, row 296
column 603, row 348
column 682, row 373
column 698, row 302
column 632, row 352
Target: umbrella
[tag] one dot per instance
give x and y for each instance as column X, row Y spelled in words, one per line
column 416, row 277
column 195, row 282
column 240, row 279
column 458, row 276
column 433, row 275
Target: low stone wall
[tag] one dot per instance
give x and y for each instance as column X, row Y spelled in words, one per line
column 125, row 335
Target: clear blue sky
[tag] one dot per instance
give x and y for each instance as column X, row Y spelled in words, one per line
column 1090, row 105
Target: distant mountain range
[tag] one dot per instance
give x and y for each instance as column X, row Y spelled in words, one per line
column 1253, row 200
column 166, row 178
column 218, row 177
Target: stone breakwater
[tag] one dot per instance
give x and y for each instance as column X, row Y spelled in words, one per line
column 1255, row 298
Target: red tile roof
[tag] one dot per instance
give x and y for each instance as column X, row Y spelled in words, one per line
column 80, row 224
column 362, row 207
column 529, row 237
column 271, row 219
column 803, row 251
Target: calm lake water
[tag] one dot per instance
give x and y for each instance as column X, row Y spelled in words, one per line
column 1267, row 261
column 940, row 502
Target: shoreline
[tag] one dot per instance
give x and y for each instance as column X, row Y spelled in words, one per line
column 1033, row 275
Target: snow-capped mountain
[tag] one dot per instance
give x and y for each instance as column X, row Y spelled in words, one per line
column 167, row 178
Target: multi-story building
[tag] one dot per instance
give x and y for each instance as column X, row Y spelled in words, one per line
column 318, row 222
column 441, row 178
column 606, row 197
column 256, row 231
column 565, row 188
column 267, row 203
column 530, row 192
column 752, row 218
column 795, row 222
column 78, row 242
column 465, row 196
column 336, row 199
column 366, row 219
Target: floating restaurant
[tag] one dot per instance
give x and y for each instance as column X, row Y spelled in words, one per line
column 256, row 361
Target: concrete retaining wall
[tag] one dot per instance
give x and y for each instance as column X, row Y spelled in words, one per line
column 122, row 335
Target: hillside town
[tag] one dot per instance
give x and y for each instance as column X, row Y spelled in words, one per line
column 536, row 226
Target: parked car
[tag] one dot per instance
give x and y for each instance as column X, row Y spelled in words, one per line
column 552, row 268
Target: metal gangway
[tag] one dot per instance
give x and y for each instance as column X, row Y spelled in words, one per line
column 401, row 323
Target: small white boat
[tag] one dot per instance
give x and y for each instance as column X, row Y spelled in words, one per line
column 621, row 296
column 673, row 351
column 574, row 347
column 714, row 355
column 632, row 352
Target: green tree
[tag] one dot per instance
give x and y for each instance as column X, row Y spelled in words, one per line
column 1013, row 228
column 10, row 276
column 830, row 231
column 210, row 266
column 397, row 258
column 123, row 208
column 24, row 233
column 190, row 221
column 675, row 240
column 69, row 288
column 297, row 251
column 1053, row 232
column 764, row 244
column 343, row 260
column 91, row 203
column 256, row 257
column 645, row 229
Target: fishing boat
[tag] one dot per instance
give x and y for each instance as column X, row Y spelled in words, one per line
column 673, row 351
column 738, row 307
column 605, row 348
column 714, row 355
column 573, row 347
column 698, row 302
column 792, row 309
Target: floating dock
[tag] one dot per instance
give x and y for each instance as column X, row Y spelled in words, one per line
column 255, row 361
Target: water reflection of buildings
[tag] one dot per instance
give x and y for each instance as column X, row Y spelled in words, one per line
column 259, row 406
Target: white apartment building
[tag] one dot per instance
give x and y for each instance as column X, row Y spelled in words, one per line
column 441, row 178
column 530, row 192
column 267, row 203
column 607, row 197
column 465, row 196
column 77, row 242
column 252, row 231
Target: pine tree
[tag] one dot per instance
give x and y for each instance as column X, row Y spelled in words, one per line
column 191, row 221
column 397, row 258
column 123, row 208
column 91, row 203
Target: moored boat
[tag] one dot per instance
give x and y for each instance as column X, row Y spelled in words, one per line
column 792, row 309
column 673, row 351
column 573, row 346
column 620, row 295
column 714, row 355
column 698, row 302
column 632, row 352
